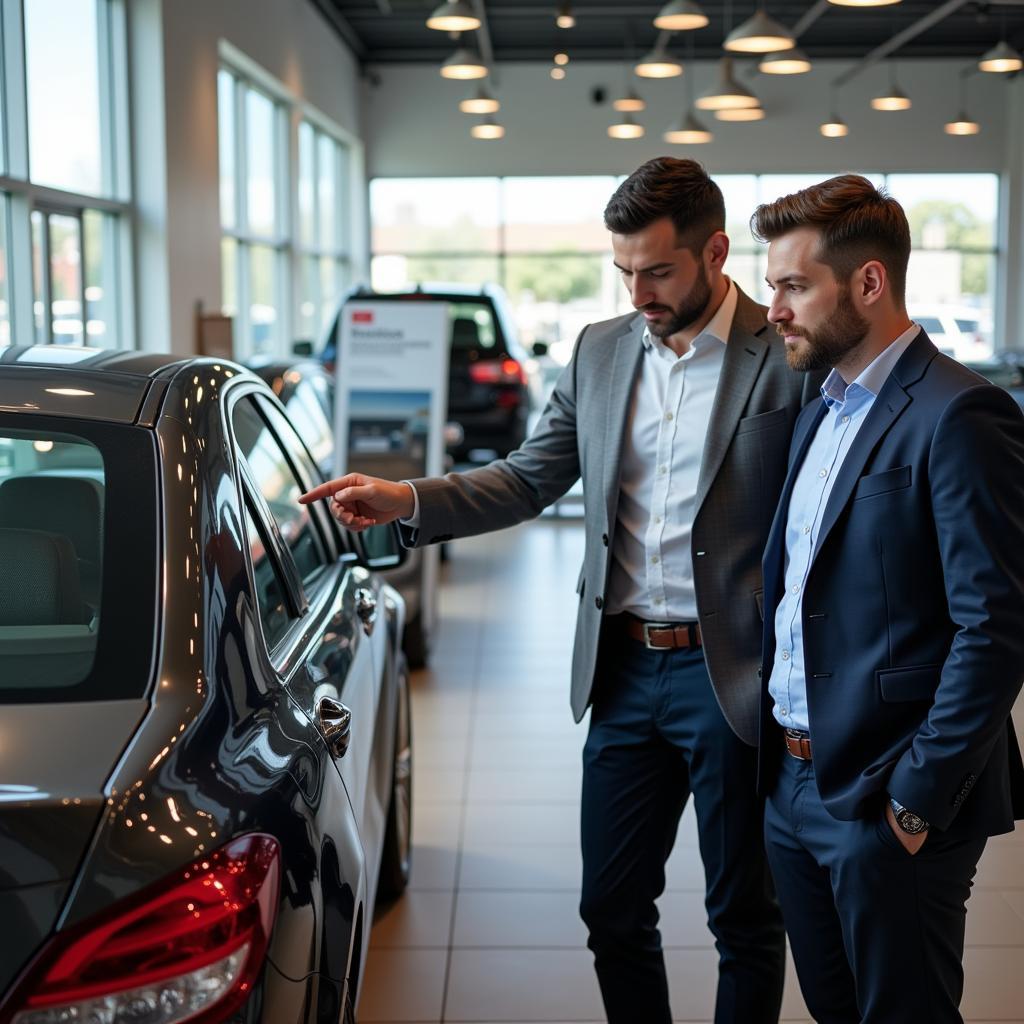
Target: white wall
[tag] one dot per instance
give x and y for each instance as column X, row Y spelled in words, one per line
column 178, row 262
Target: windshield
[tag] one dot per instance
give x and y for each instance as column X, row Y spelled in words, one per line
column 76, row 597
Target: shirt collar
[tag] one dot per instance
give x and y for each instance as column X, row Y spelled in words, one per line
column 835, row 390
column 718, row 327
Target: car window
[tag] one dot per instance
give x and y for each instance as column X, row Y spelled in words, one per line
column 308, row 417
column 967, row 326
column 931, row 324
column 270, row 589
column 280, row 488
column 472, row 326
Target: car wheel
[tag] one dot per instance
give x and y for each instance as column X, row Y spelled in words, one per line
column 396, row 857
column 415, row 643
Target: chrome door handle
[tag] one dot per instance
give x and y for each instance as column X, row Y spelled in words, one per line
column 335, row 721
column 366, row 608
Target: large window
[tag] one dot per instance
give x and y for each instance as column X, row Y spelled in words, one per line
column 286, row 249
column 543, row 240
column 64, row 173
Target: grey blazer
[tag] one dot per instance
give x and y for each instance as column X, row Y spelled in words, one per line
column 581, row 434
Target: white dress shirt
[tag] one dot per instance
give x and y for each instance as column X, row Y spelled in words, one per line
column 652, row 565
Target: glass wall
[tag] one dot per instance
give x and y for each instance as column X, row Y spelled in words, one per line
column 543, row 240
column 64, row 154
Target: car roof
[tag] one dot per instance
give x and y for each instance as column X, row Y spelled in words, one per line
column 86, row 383
column 429, row 290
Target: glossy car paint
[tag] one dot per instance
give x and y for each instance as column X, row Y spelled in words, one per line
column 226, row 740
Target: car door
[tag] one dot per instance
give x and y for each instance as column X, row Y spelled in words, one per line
column 326, row 658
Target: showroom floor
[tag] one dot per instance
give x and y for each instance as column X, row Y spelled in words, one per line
column 488, row 930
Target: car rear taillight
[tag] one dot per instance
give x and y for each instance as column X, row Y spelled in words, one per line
column 507, row 371
column 186, row 949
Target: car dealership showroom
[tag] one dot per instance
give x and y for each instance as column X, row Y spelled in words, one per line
column 413, row 603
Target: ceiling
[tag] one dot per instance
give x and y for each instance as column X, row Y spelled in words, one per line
column 394, row 31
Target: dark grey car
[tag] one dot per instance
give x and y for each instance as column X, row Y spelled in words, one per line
column 205, row 750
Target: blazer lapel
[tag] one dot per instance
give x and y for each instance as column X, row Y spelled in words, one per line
column 745, row 352
column 625, row 365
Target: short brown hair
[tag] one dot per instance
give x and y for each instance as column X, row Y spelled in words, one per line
column 668, row 187
column 857, row 223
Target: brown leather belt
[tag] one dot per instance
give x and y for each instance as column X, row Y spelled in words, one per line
column 797, row 743
column 663, row 636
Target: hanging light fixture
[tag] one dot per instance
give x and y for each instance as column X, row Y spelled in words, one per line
column 659, row 63
column 453, row 16
column 740, row 114
column 680, row 16
column 626, row 128
column 561, row 59
column 1001, row 58
column 864, row 3
column 785, row 62
column 759, row 34
column 482, row 103
column 688, row 131
column 564, row 18
column 464, row 64
column 893, row 98
column 631, row 102
column 962, row 124
column 488, row 128
column 835, row 127
column 727, row 93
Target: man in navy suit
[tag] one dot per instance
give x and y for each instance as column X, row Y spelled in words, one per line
column 894, row 634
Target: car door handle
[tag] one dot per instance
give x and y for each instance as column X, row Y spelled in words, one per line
column 335, row 722
column 366, row 608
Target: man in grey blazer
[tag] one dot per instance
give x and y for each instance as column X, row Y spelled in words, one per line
column 678, row 419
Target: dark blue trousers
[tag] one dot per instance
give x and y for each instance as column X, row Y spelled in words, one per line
column 656, row 736
column 877, row 934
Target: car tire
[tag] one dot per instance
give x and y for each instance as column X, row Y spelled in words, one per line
column 415, row 642
column 396, row 857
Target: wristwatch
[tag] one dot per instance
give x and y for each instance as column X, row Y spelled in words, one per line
column 911, row 823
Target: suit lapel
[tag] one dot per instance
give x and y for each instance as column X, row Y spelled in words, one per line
column 625, row 365
column 745, row 353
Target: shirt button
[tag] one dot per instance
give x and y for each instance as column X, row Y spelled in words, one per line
column 796, row 588
column 663, row 470
column 668, row 416
column 823, row 473
column 654, row 559
column 783, row 712
column 785, row 655
column 807, row 529
column 657, row 519
column 659, row 600
column 846, row 419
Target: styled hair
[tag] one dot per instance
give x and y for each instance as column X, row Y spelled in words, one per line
column 856, row 223
column 668, row 187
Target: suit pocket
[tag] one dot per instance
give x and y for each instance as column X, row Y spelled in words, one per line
column 881, row 483
column 762, row 421
column 917, row 683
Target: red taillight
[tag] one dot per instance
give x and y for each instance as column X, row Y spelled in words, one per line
column 193, row 944
column 508, row 371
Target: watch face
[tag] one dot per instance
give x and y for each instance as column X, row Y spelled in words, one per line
column 910, row 823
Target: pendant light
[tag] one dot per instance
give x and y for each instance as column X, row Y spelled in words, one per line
column 1001, row 58
column 626, row 128
column 893, row 98
column 727, row 93
column 759, row 34
column 688, row 131
column 680, row 16
column 488, row 128
column 481, row 103
column 659, row 64
column 453, row 16
column 564, row 18
column 631, row 102
column 835, row 127
column 740, row 114
column 785, row 62
column 864, row 3
column 464, row 64
column 962, row 124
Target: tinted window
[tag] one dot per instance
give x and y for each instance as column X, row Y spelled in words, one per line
column 472, row 326
column 931, row 324
column 70, row 571
column 277, row 482
column 309, row 418
column 270, row 591
column 967, row 326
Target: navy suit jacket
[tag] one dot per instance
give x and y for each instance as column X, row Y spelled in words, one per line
column 913, row 610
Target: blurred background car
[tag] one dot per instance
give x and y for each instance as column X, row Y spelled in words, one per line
column 492, row 383
column 960, row 331
column 205, row 746
column 306, row 389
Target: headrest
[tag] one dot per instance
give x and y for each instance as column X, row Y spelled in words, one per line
column 39, row 585
column 465, row 333
column 68, row 505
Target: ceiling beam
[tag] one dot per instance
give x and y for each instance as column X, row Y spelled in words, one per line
column 342, row 27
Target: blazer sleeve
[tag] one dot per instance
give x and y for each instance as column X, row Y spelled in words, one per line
column 976, row 479
column 511, row 490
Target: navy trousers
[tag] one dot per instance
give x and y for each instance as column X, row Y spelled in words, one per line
column 656, row 736
column 877, row 933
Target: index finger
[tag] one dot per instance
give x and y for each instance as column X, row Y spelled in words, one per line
column 327, row 489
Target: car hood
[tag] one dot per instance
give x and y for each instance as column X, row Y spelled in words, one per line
column 55, row 760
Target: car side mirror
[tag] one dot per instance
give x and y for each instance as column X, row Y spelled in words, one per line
column 382, row 548
column 302, row 347
column 540, row 348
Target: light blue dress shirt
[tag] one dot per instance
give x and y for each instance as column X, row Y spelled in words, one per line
column 848, row 407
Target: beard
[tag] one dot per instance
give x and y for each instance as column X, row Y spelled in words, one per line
column 689, row 310
column 826, row 346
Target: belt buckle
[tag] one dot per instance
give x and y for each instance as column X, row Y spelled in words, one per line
column 647, row 627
